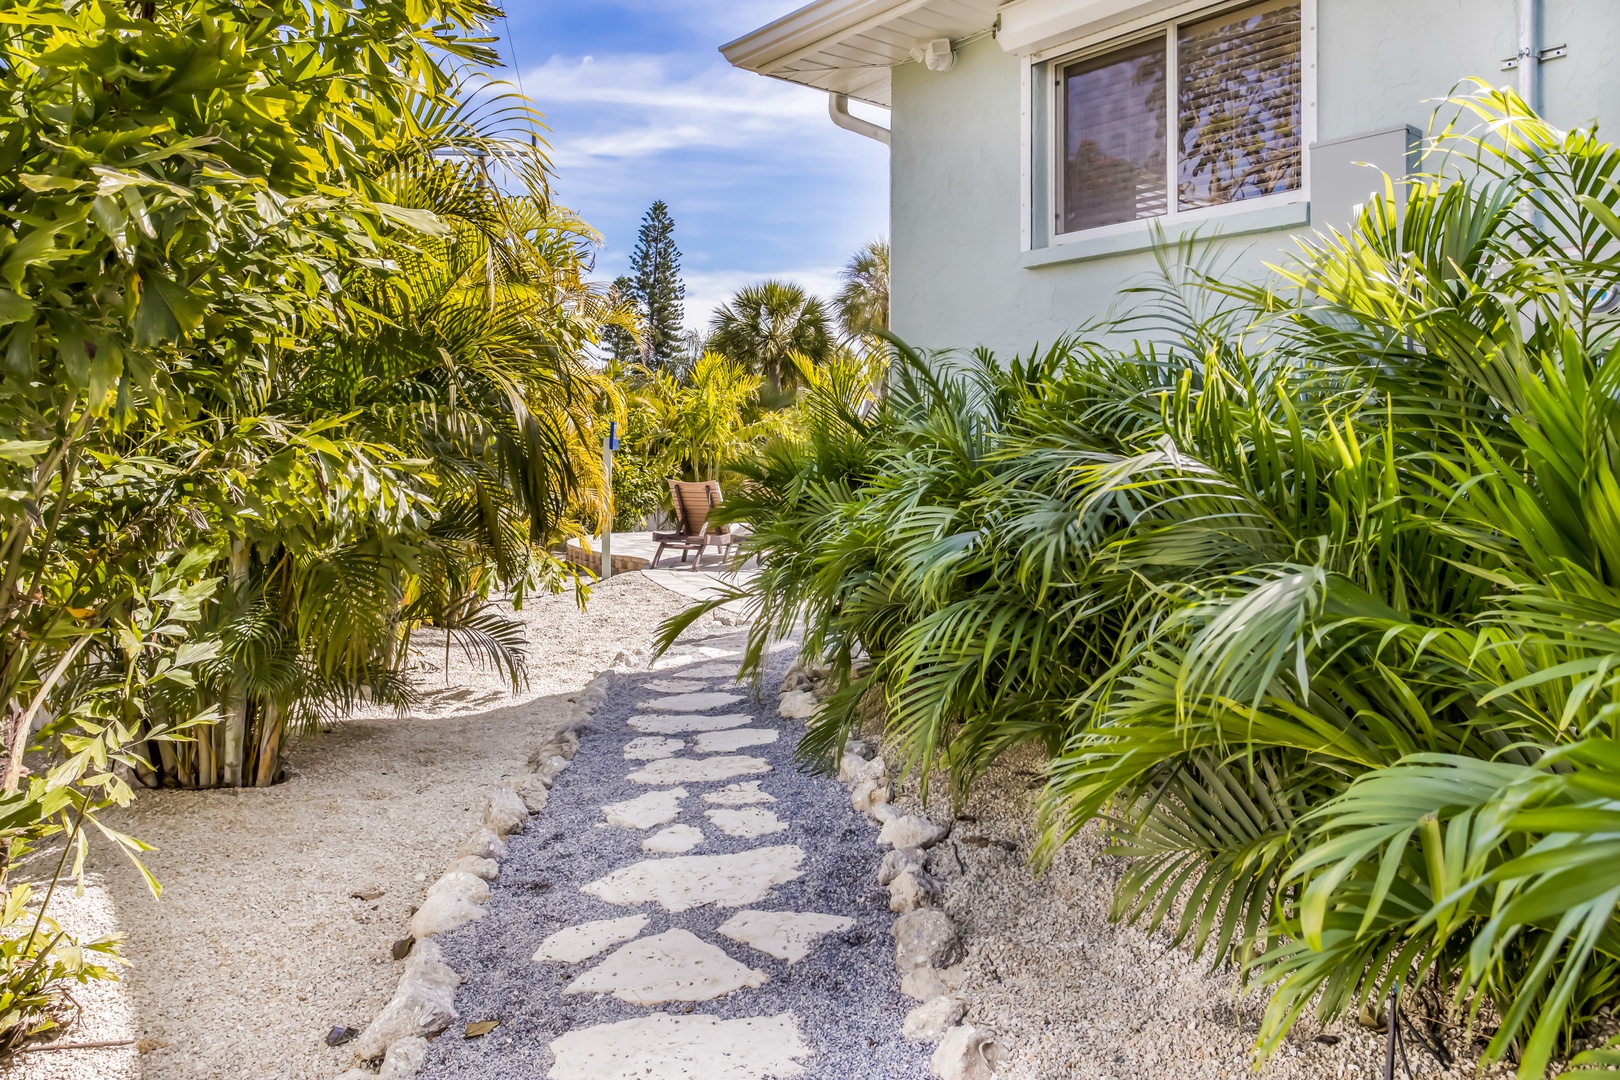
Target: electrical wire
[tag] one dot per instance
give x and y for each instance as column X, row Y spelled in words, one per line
column 511, row 43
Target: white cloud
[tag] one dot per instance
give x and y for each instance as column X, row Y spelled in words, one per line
column 761, row 183
column 651, row 82
column 638, row 106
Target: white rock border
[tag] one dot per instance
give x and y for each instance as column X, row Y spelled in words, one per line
column 424, row 1004
column 963, row 1051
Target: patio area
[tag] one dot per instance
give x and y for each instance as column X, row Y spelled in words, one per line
column 633, row 553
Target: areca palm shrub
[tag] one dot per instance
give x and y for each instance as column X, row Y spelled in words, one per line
column 464, row 356
column 1308, row 594
column 187, row 190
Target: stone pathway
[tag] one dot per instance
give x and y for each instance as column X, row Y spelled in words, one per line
column 690, row 906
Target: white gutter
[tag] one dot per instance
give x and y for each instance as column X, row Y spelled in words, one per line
column 838, row 109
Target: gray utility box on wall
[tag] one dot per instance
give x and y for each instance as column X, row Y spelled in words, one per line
column 1347, row 172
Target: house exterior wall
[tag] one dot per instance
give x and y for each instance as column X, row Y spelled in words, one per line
column 958, row 276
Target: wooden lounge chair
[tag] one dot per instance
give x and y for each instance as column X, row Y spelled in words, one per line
column 694, row 530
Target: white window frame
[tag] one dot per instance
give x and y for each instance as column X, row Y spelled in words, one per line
column 1042, row 73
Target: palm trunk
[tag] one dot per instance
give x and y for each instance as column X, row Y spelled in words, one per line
column 168, row 764
column 207, row 760
column 236, row 703
column 272, row 726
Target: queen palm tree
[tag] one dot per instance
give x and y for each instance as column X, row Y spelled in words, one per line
column 764, row 325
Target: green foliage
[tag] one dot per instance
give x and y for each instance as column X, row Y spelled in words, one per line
column 294, row 317
column 261, row 302
column 765, row 327
column 38, row 960
column 641, row 468
column 119, row 700
column 692, row 425
column 620, row 344
column 1309, row 594
column 655, row 269
column 863, row 299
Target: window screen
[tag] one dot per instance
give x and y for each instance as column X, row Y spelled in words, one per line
column 1114, row 137
column 1238, row 106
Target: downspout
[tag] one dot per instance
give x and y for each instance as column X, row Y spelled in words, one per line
column 838, row 109
column 1529, row 19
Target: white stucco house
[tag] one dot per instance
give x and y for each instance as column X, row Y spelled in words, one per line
column 1038, row 145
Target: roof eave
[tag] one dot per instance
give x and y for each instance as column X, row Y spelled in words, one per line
column 802, row 30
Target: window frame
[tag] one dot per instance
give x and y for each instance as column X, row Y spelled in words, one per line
column 1043, row 138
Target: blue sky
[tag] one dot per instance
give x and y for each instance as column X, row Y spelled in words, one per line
column 642, row 106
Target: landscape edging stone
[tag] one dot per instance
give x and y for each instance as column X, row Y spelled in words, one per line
column 424, row 1003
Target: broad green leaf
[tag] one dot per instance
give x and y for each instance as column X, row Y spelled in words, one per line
column 167, row 310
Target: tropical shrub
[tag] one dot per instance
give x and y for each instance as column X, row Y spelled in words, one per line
column 120, row 685
column 281, row 375
column 277, row 305
column 689, row 424
column 1308, row 594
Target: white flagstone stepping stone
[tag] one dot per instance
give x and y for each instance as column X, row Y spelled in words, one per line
column 675, row 840
column 697, row 770
column 718, row 669
column 720, row 654
column 676, row 686
column 647, row 811
column 682, row 723
column 741, row 794
column 652, row 747
column 724, row 742
column 786, row 935
column 749, row 822
column 689, row 881
column 673, row 660
column 676, row 965
column 694, row 1047
column 690, row 702
column 584, row 941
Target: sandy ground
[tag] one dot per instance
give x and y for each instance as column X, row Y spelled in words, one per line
column 1077, row 996
column 258, row 946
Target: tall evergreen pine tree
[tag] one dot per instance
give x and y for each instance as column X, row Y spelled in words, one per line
column 655, row 267
column 618, row 341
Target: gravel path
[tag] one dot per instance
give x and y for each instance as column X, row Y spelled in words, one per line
column 259, row 947
column 844, row 994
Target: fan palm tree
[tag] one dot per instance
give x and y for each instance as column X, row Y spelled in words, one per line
column 765, row 325
column 863, row 301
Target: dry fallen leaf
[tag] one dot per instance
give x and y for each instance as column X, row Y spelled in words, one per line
column 481, row 1027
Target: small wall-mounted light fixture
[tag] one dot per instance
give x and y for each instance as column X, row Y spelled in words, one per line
column 936, row 55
